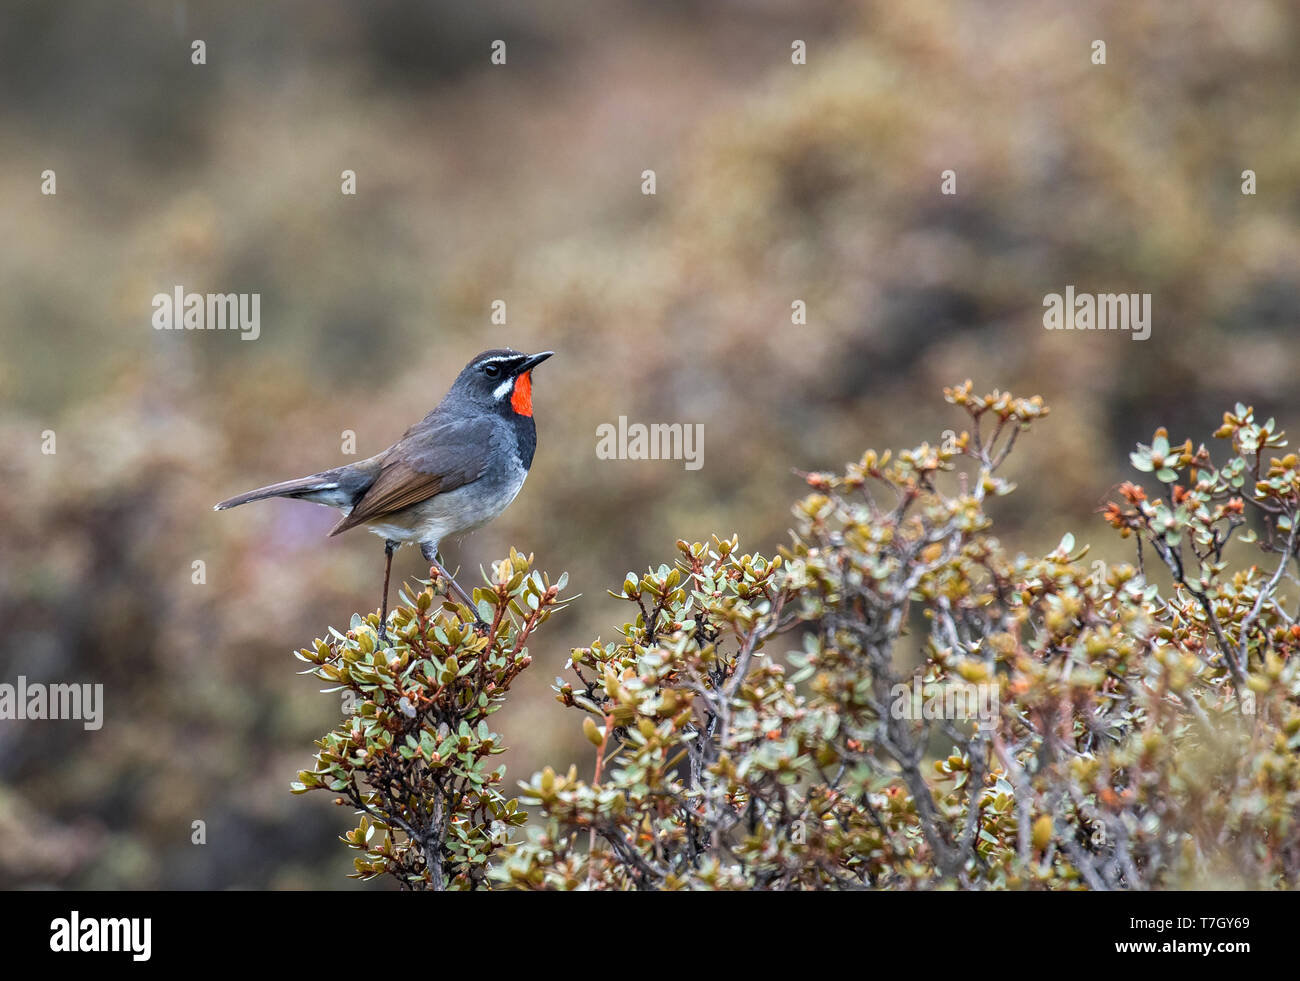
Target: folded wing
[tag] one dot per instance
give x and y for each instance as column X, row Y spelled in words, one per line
column 428, row 460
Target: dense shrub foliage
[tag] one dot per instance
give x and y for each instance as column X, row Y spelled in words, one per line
column 938, row 711
column 414, row 755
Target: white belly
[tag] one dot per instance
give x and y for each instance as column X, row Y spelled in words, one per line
column 453, row 513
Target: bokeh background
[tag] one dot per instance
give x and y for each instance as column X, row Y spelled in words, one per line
column 522, row 182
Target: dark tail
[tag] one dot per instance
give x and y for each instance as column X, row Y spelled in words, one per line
column 320, row 488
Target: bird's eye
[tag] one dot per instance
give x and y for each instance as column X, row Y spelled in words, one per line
column 492, row 370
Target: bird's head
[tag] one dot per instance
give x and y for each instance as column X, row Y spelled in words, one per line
column 499, row 380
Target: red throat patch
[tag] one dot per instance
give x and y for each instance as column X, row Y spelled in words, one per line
column 521, row 399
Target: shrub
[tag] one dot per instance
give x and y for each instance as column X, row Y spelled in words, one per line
column 951, row 714
column 414, row 753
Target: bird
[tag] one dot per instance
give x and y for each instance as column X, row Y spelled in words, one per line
column 452, row 472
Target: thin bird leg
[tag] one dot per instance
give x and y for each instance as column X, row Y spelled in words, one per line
column 389, row 548
column 455, row 587
column 431, row 556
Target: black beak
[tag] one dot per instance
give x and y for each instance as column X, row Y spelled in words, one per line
column 532, row 361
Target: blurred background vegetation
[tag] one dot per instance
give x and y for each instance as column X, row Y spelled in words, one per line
column 776, row 182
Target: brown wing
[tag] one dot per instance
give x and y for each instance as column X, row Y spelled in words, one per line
column 424, row 462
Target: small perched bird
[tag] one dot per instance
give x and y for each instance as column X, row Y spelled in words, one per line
column 453, row 471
